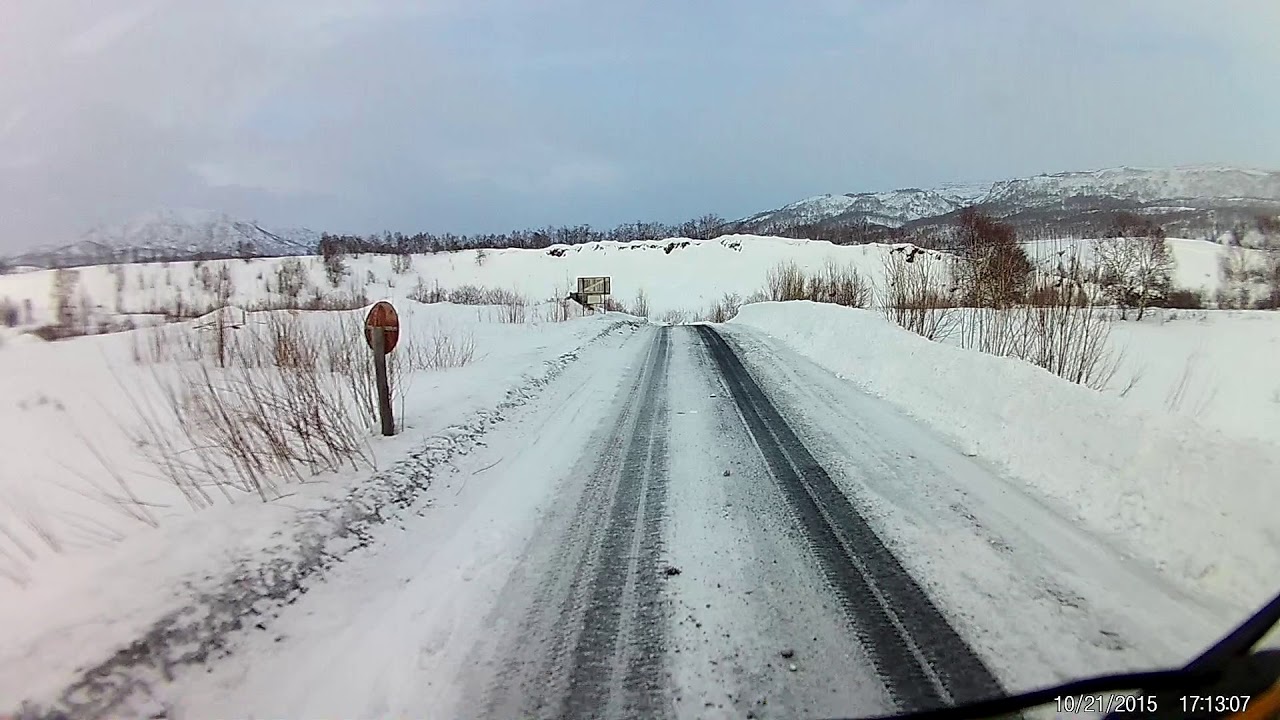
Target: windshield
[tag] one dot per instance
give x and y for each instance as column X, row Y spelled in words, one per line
column 633, row 360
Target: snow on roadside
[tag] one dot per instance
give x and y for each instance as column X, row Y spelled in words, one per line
column 1217, row 366
column 1195, row 502
column 105, row 622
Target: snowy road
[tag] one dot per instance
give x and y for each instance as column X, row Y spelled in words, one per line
column 689, row 526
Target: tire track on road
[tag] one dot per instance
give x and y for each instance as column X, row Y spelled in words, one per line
column 592, row 645
column 922, row 661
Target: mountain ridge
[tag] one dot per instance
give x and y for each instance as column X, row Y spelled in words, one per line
column 1189, row 198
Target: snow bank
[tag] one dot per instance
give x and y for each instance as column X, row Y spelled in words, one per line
column 1198, row 504
column 677, row 274
column 99, row 581
column 1221, row 367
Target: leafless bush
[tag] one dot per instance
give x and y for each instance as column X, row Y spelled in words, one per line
column 675, row 317
column 423, row 293
column 9, row 314
column 640, row 308
column 401, row 263
column 514, row 311
column 465, row 295
column 558, row 310
column 449, row 348
column 785, row 281
column 64, row 289
column 1183, row 299
column 840, row 284
column 1070, row 340
column 916, row 293
column 724, row 309
column 291, row 279
column 296, row 397
column 254, row 424
column 1059, row 328
column 350, row 300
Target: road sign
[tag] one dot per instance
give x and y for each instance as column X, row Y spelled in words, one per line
column 594, row 286
column 383, row 315
column 381, row 331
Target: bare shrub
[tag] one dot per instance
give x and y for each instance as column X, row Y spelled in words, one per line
column 1069, row 339
column 335, row 265
column 558, row 310
column 401, row 263
column 675, row 317
column 291, row 279
column 423, row 293
column 64, row 289
column 448, row 348
column 465, row 295
column 255, row 424
column 916, row 294
column 640, row 308
column 1183, row 299
column 785, row 281
column 350, row 300
column 9, row 314
column 844, row 285
column 1060, row 328
column 514, row 311
column 724, row 309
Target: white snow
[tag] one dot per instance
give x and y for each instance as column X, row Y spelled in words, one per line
column 688, row 278
column 1194, row 501
column 1173, row 463
column 1216, row 367
column 1197, row 263
column 82, row 576
column 1143, row 184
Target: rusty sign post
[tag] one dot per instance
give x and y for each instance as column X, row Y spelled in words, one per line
column 382, row 332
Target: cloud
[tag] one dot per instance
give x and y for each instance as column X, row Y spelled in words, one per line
column 452, row 115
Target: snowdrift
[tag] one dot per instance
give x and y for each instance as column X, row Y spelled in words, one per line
column 1198, row 504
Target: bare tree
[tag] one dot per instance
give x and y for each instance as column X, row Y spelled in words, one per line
column 995, row 270
column 64, row 290
column 1269, row 228
column 640, row 307
column 1135, row 267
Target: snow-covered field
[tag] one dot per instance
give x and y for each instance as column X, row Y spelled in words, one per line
column 1174, row 461
column 98, row 543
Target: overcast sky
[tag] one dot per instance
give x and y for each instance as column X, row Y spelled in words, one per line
column 466, row 115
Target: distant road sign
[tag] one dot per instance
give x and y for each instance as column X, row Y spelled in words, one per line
column 594, row 286
column 383, row 315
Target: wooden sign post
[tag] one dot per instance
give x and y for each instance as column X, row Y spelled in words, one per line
column 382, row 332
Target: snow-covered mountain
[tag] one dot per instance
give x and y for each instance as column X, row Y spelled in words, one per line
column 1191, row 193
column 174, row 235
column 1141, row 185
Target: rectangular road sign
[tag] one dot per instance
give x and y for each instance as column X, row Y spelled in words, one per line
column 594, row 286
